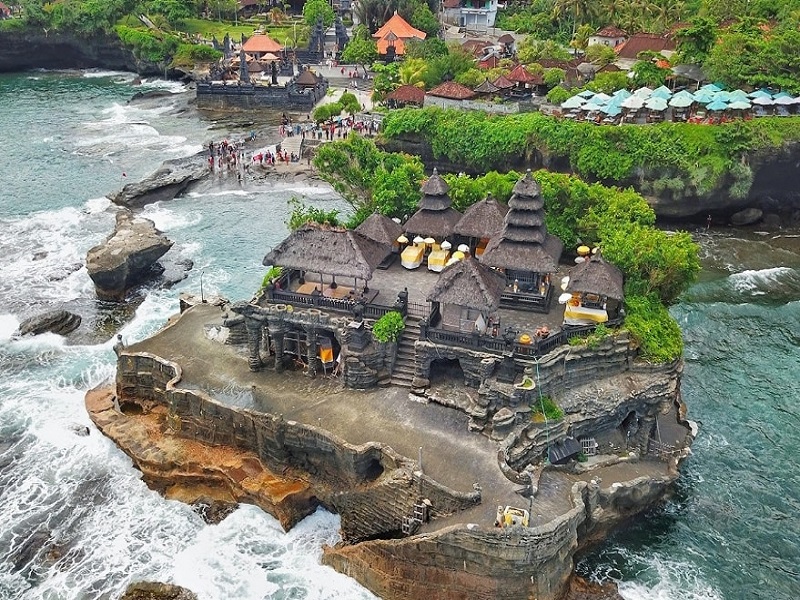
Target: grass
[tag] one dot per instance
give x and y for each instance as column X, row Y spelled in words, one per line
column 280, row 33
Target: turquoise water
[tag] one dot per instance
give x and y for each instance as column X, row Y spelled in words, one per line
column 77, row 522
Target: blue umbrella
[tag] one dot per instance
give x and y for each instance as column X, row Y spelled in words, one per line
column 703, row 96
column 762, row 93
column 586, row 94
column 655, row 103
column 573, row 102
column 662, row 92
column 612, row 110
column 622, row 94
column 717, row 105
column 710, row 87
column 738, row 95
column 782, row 95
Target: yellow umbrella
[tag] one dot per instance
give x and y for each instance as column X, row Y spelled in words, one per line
column 418, row 240
column 458, row 255
column 402, row 240
column 583, row 250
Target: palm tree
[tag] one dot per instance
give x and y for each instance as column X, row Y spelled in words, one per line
column 578, row 10
column 412, row 72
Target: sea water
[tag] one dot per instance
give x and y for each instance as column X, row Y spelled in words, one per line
column 77, row 522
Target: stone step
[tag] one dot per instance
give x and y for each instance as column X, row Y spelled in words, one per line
column 404, row 370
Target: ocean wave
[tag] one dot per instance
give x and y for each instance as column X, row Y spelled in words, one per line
column 220, row 193
column 123, row 76
column 167, row 220
column 761, row 281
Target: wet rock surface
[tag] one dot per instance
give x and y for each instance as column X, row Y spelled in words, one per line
column 60, row 322
column 151, row 590
column 170, row 180
column 127, row 258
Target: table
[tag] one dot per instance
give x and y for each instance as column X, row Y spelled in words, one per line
column 581, row 315
column 308, row 287
column 340, row 291
column 437, row 260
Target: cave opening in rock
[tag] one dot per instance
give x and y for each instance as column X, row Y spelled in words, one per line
column 446, row 370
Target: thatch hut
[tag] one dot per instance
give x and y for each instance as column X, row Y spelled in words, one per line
column 487, row 88
column 382, row 229
column 307, row 78
column 597, row 284
column 452, row 90
column 330, row 251
column 436, row 217
column 481, row 222
column 524, row 249
column 468, row 296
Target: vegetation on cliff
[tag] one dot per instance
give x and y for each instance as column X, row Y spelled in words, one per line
column 658, row 265
column 677, row 159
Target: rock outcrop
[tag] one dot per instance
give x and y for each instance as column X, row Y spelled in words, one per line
column 748, row 216
column 171, row 179
column 60, row 322
column 127, row 257
column 151, row 590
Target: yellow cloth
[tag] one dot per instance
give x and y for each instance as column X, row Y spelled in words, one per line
column 411, row 257
column 581, row 313
column 437, row 260
column 326, row 355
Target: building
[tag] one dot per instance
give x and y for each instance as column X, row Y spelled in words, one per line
column 392, row 37
column 628, row 52
column 259, row 45
column 448, row 95
column 405, row 95
column 608, row 36
column 472, row 15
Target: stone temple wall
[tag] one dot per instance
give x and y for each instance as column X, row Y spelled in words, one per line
column 370, row 486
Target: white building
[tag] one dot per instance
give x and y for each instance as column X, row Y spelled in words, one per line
column 472, row 15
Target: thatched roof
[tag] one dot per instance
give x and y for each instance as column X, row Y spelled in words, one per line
column 524, row 256
column 596, row 276
column 306, row 78
column 380, row 228
column 470, row 284
column 524, row 243
column 328, row 250
column 483, row 219
column 434, row 193
column 487, row 87
column 437, row 224
column 407, row 94
column 452, row 90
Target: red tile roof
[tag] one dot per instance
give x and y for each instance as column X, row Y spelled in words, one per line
column 611, row 31
column 408, row 94
column 642, row 42
column 520, row 74
column 261, row 44
column 489, row 63
column 476, row 47
column 452, row 90
column 398, row 28
column 451, row 3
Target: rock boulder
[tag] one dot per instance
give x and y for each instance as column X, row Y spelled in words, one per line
column 151, row 590
column 171, row 179
column 61, row 322
column 748, row 216
column 127, row 257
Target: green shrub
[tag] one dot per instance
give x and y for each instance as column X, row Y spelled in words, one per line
column 154, row 47
column 653, row 328
column 546, row 410
column 189, row 55
column 274, row 273
column 389, row 327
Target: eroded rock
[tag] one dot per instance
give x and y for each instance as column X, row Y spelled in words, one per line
column 127, row 257
column 748, row 216
column 60, row 322
column 153, row 590
column 171, row 179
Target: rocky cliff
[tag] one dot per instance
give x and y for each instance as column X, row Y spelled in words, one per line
column 27, row 49
column 774, row 189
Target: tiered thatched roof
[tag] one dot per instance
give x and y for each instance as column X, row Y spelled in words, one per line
column 524, row 244
column 483, row 219
column 307, row 78
column 380, row 228
column 487, row 87
column 596, row 276
column 469, row 284
column 435, row 217
column 503, row 83
column 329, row 250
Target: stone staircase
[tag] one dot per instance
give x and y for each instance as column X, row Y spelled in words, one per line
column 292, row 144
column 405, row 364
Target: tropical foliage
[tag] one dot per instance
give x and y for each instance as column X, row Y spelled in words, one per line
column 679, row 158
column 389, row 327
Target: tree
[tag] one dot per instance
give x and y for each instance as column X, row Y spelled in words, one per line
column 175, row 11
column 530, row 51
column 360, row 51
column 412, row 72
column 558, row 95
column 429, row 48
column 349, row 103
column 314, row 9
column 600, row 55
column 609, row 82
column 580, row 41
column 646, row 72
column 553, row 77
column 424, row 20
column 696, row 40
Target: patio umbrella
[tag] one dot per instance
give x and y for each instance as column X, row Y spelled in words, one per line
column 737, row 95
column 643, row 92
column 783, row 100
column 703, row 96
column 662, row 92
column 463, row 248
column 586, row 94
column 723, row 96
column 710, row 87
column 634, row 102
column 612, row 110
column 782, row 95
column 762, row 93
column 763, row 100
column 622, row 94
column 717, row 105
column 681, row 101
column 655, row 103
column 573, row 102
column 601, row 97
column 739, row 105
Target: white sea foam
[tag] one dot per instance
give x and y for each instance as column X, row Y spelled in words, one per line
column 8, row 325
column 167, row 219
column 759, row 282
column 176, row 87
column 99, row 73
column 220, row 193
column 97, row 205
